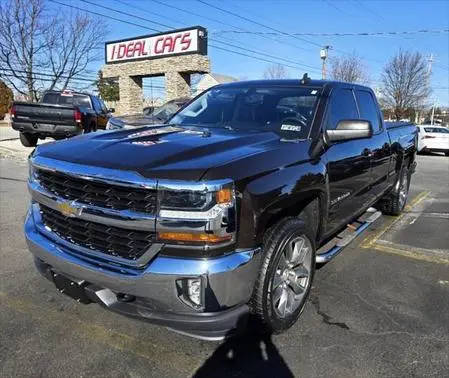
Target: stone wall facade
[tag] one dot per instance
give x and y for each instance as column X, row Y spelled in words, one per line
column 177, row 71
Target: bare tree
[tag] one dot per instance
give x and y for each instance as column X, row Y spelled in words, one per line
column 405, row 83
column 349, row 69
column 44, row 49
column 275, row 71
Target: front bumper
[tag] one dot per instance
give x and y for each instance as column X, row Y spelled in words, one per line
column 228, row 284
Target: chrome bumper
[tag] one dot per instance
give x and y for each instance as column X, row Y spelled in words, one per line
column 229, row 279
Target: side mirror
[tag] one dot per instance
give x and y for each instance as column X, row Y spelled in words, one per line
column 111, row 110
column 350, row 129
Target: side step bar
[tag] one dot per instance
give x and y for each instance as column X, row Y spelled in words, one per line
column 331, row 249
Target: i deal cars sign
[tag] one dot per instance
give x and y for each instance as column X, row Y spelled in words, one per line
column 176, row 42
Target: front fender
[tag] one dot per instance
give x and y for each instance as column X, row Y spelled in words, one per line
column 283, row 192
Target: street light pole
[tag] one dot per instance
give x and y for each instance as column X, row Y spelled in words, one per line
column 324, row 52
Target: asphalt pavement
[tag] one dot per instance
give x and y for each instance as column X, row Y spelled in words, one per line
column 381, row 308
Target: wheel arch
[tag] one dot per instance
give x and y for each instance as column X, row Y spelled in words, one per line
column 308, row 205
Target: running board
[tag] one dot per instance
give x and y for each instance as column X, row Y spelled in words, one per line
column 331, row 249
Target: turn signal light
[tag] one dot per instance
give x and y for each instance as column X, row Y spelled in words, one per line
column 191, row 237
column 223, row 196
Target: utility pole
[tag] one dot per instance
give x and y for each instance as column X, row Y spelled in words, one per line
column 429, row 73
column 433, row 111
column 324, row 52
column 429, row 66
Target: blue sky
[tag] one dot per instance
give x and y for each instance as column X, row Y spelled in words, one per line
column 295, row 16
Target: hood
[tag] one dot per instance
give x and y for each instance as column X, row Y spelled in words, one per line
column 167, row 151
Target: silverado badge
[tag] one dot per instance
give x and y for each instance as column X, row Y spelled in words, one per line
column 68, row 209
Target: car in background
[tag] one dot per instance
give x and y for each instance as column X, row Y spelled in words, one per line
column 433, row 139
column 58, row 115
column 159, row 115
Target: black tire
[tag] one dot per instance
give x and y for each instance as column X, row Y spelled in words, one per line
column 28, row 140
column 263, row 302
column 394, row 202
column 446, row 153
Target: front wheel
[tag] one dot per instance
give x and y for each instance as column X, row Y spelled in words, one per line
column 28, row 140
column 447, row 153
column 286, row 275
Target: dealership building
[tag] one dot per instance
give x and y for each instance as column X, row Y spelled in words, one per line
column 176, row 55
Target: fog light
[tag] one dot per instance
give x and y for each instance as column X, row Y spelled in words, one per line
column 194, row 290
column 191, row 292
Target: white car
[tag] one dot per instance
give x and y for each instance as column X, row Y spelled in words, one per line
column 433, row 139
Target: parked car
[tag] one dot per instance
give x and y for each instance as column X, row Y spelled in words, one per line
column 222, row 213
column 158, row 116
column 58, row 115
column 433, row 139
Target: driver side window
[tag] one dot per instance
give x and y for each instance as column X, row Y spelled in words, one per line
column 341, row 106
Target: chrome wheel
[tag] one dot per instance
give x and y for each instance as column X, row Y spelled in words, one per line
column 403, row 190
column 291, row 277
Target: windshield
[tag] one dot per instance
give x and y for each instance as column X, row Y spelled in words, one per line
column 165, row 111
column 278, row 109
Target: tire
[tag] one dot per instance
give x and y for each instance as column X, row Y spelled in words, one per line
column 446, row 153
column 28, row 140
column 283, row 284
column 394, row 202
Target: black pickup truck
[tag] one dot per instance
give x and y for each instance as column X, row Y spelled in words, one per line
column 59, row 114
column 221, row 215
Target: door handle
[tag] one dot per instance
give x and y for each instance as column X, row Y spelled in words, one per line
column 367, row 152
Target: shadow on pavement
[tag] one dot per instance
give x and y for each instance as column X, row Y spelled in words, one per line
column 248, row 355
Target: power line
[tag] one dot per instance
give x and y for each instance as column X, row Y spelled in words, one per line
column 40, row 78
column 46, row 74
column 226, row 24
column 256, row 22
column 359, row 34
column 144, row 27
column 102, row 15
column 222, row 37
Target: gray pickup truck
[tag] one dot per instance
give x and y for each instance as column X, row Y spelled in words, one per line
column 220, row 216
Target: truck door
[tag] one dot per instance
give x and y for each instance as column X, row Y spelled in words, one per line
column 100, row 114
column 348, row 163
column 379, row 143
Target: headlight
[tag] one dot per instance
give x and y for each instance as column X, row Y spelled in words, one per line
column 31, row 171
column 197, row 214
column 194, row 200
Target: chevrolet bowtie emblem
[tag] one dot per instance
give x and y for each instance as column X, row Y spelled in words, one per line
column 68, row 209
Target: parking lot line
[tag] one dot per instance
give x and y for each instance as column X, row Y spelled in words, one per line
column 410, row 254
column 372, row 240
column 369, row 241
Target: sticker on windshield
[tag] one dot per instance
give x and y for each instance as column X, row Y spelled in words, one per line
column 287, row 127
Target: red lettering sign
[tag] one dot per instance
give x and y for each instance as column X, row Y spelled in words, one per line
column 176, row 42
column 185, row 41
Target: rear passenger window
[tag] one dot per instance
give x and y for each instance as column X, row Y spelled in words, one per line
column 368, row 109
column 341, row 106
column 50, row 98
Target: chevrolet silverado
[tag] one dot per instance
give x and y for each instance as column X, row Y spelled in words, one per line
column 221, row 214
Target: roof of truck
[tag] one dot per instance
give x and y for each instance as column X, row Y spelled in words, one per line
column 292, row 82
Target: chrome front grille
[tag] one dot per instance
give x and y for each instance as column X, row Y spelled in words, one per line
column 96, row 193
column 113, row 241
